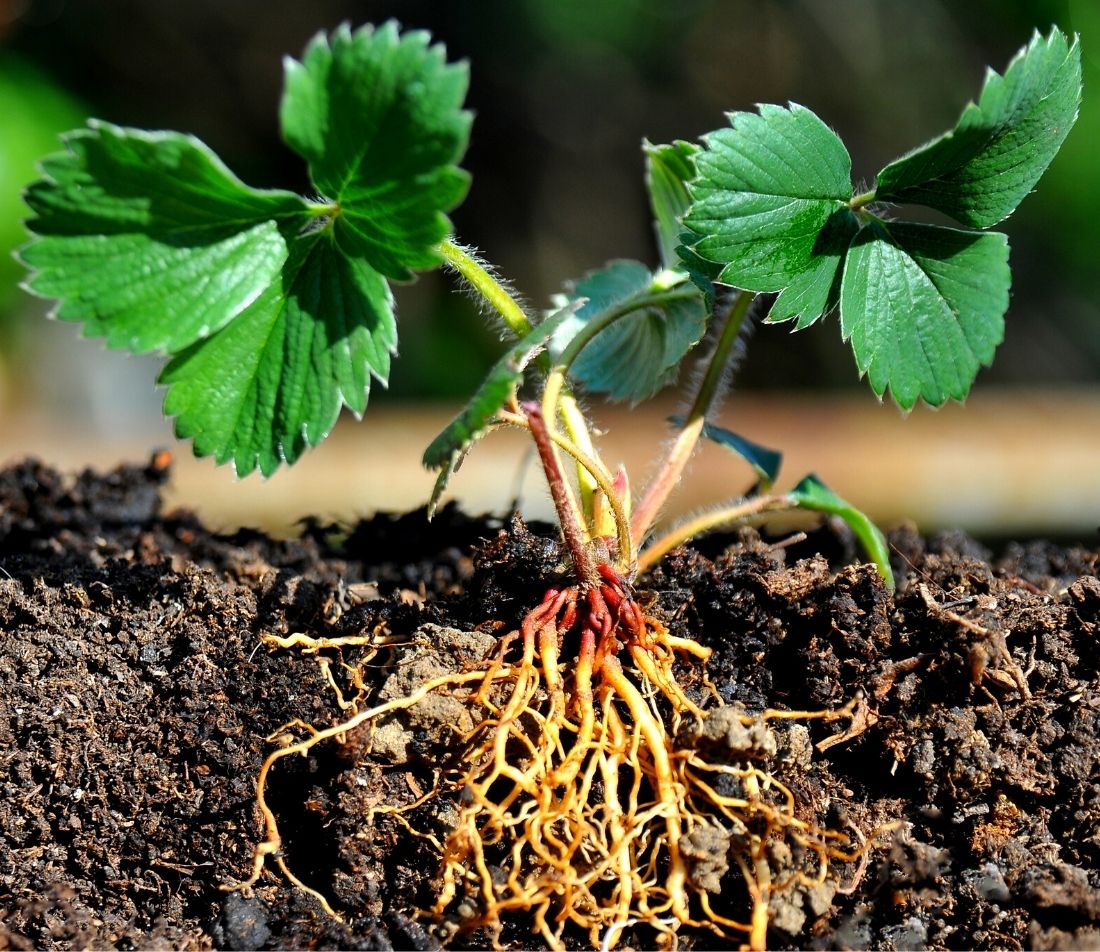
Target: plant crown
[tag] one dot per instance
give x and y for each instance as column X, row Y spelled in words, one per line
column 275, row 310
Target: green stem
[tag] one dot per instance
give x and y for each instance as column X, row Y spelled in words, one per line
column 487, row 286
column 576, row 426
column 322, row 209
column 591, row 472
column 497, row 296
column 727, row 516
column 555, row 395
column 859, row 201
column 584, row 336
column 555, row 382
column 683, row 446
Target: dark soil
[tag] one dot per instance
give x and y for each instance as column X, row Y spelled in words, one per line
column 135, row 696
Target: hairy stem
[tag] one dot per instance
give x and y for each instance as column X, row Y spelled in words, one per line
column 562, row 494
column 323, row 209
column 487, row 286
column 497, row 296
column 602, row 479
column 670, row 471
column 725, row 516
column 862, row 199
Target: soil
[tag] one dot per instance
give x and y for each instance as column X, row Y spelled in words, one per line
column 136, row 695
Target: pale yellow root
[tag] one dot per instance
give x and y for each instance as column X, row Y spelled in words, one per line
column 273, row 841
column 576, row 799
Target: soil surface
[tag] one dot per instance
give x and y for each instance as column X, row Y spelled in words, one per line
column 136, row 694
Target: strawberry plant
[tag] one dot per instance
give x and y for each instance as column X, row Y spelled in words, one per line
column 595, row 776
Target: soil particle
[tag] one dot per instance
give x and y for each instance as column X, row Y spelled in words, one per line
column 791, row 908
column 724, row 732
column 433, row 725
column 136, row 693
column 706, row 850
column 243, row 924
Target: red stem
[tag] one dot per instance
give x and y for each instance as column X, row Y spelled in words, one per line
column 575, row 539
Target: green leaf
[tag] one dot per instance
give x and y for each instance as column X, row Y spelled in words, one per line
column 378, row 115
column 816, row 291
column 924, row 308
column 149, row 239
column 649, row 329
column 668, row 170
column 277, row 309
column 770, row 204
column 271, row 383
column 811, row 493
column 703, row 274
column 766, row 462
column 980, row 171
column 447, row 449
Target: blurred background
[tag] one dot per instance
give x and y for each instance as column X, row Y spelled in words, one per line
column 564, row 92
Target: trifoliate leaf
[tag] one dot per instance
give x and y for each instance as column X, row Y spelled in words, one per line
column 149, row 239
column 277, row 308
column 271, row 383
column 811, row 493
column 980, row 171
column 924, row 307
column 649, row 329
column 766, row 462
column 378, row 115
column 668, row 169
column 446, row 450
column 770, row 204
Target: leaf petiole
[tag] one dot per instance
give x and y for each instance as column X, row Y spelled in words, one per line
column 600, row 476
column 322, row 209
column 556, row 396
column 862, row 200
column 482, row 281
column 556, row 380
column 720, row 518
column 683, row 446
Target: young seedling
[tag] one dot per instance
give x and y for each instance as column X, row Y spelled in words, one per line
column 602, row 786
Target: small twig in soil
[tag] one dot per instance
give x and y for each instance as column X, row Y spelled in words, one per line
column 997, row 644
column 885, row 680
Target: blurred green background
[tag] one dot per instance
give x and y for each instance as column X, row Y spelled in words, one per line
column 564, row 91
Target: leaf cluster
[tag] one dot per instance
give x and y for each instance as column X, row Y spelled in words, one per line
column 774, row 210
column 275, row 309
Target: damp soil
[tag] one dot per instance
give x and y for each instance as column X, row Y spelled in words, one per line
column 136, row 695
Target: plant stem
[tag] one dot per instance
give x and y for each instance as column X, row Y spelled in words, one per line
column 556, row 380
column 859, row 201
column 600, row 477
column 561, row 493
column 683, row 446
column 576, row 426
column 323, row 209
column 555, row 395
column 497, row 296
column 726, row 516
column 487, row 286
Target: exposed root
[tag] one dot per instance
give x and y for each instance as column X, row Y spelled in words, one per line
column 595, row 794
